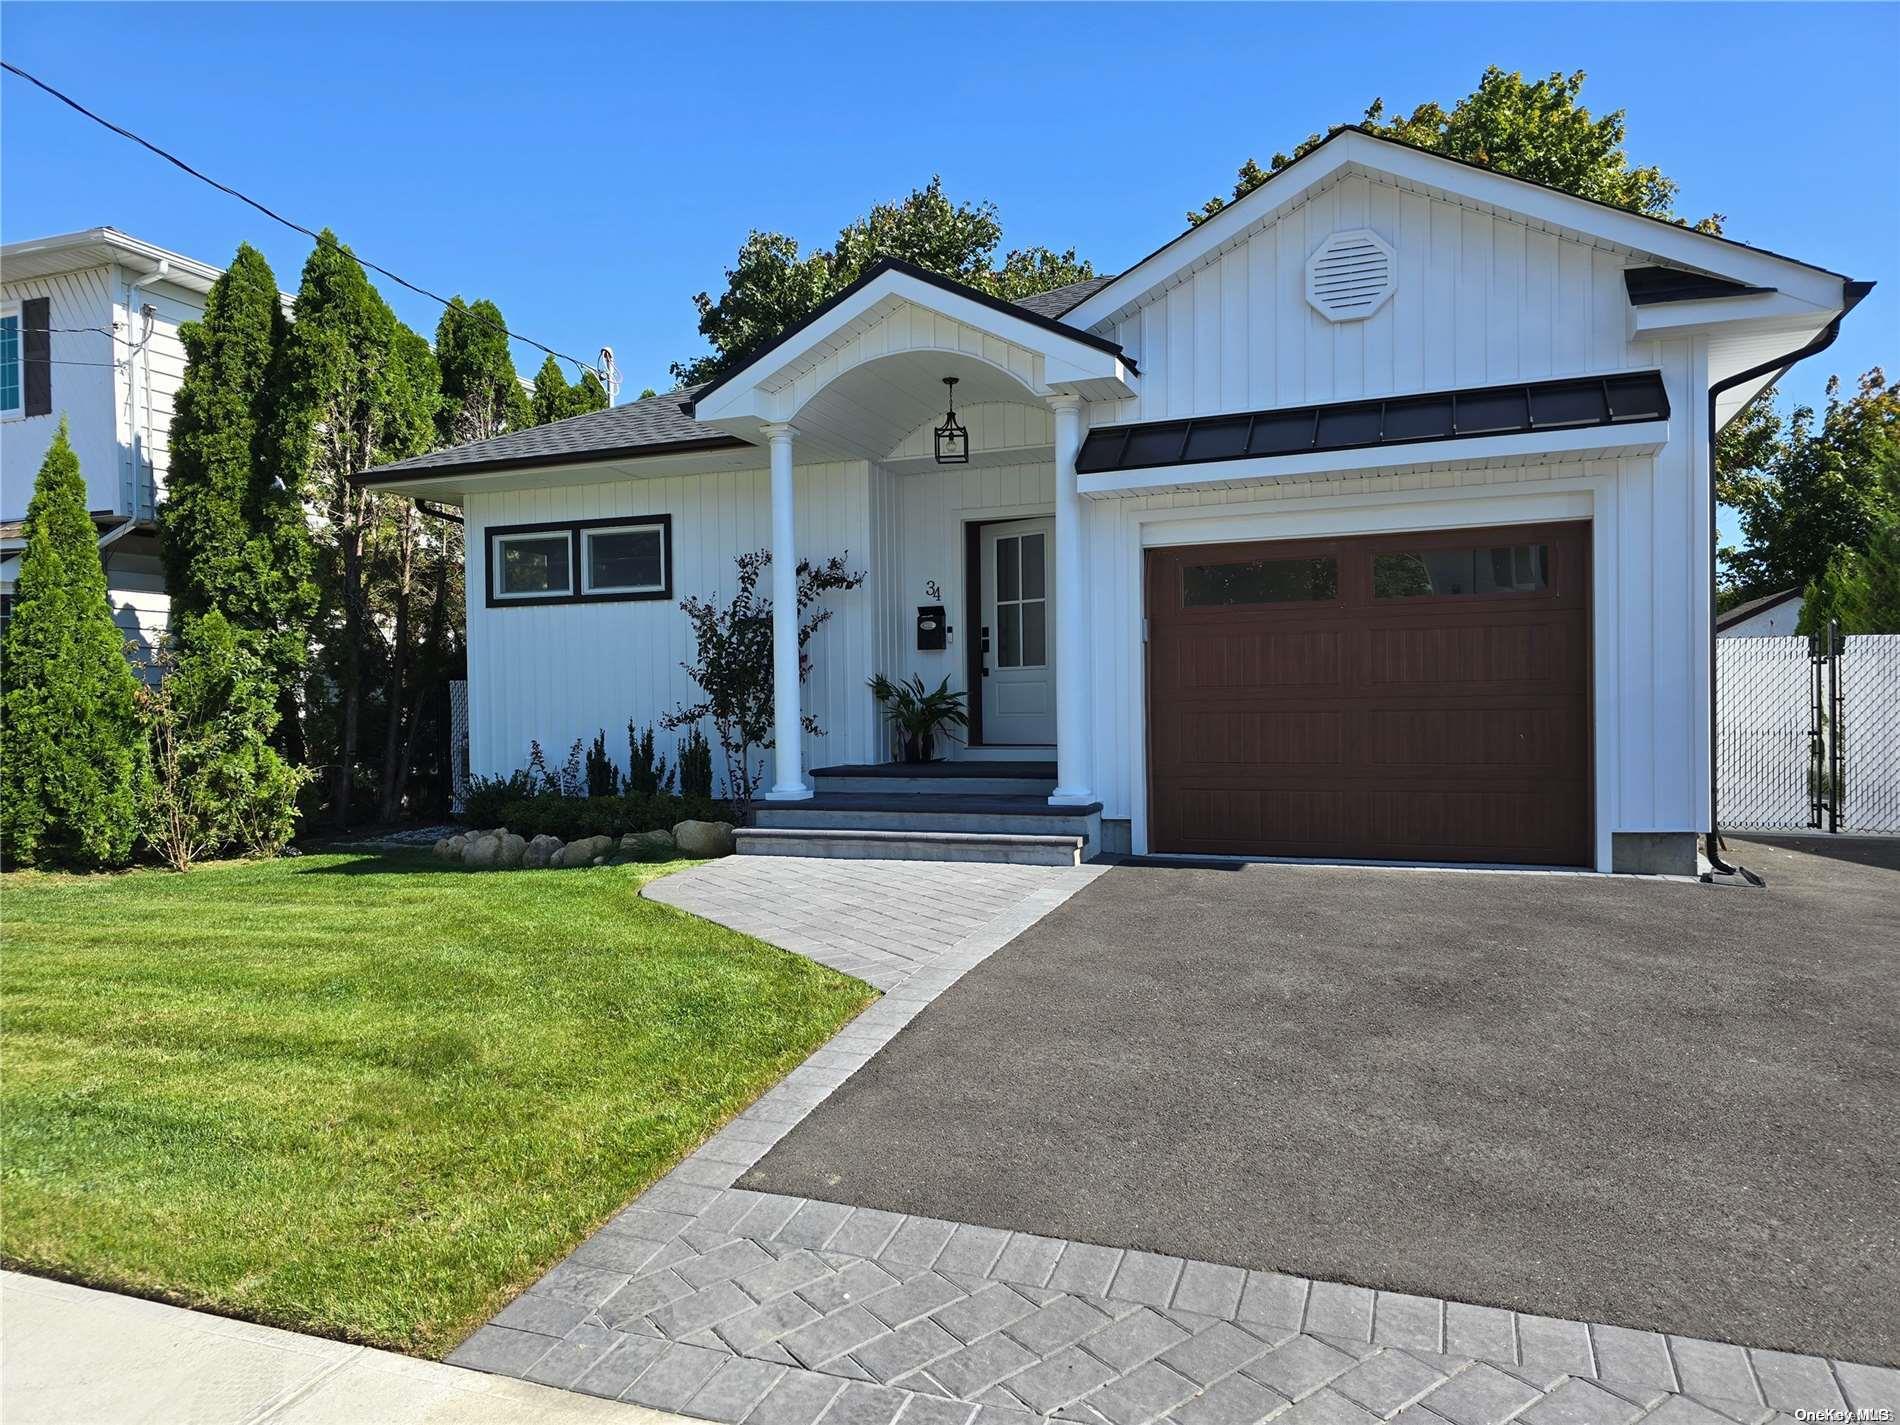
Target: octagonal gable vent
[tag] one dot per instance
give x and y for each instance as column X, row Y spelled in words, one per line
column 1350, row 275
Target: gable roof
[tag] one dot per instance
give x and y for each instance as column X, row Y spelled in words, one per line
column 1242, row 212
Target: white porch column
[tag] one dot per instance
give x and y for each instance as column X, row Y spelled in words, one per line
column 788, row 783
column 1073, row 762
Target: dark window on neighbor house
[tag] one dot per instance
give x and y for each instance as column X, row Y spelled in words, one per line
column 582, row 561
column 1435, row 573
column 1260, row 581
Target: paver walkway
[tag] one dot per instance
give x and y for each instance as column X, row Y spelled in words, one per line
column 734, row 1305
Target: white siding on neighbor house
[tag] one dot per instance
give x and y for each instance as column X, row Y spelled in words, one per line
column 135, row 585
column 1479, row 299
column 110, row 415
column 1777, row 622
column 555, row 672
column 84, row 393
column 160, row 372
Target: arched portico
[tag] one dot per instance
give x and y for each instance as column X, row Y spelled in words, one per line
column 857, row 378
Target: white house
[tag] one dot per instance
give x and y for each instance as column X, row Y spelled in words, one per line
column 1771, row 616
column 1370, row 518
column 89, row 331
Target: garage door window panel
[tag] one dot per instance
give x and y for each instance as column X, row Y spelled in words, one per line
column 1260, row 581
column 1454, row 573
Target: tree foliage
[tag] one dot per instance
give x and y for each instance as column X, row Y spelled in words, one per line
column 772, row 285
column 732, row 664
column 555, row 400
column 1533, row 129
column 218, row 784
column 73, row 769
column 1808, row 491
column 233, row 532
column 482, row 396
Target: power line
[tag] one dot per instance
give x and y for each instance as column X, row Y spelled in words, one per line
column 275, row 216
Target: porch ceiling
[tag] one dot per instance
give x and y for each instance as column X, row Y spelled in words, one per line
column 866, row 413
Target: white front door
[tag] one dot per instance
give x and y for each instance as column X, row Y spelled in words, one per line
column 1019, row 633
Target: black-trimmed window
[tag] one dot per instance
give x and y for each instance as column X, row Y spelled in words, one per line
column 581, row 561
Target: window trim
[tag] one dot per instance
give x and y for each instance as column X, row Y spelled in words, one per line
column 14, row 308
column 492, row 536
column 593, row 527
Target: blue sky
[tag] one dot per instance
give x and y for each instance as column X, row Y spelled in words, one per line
column 591, row 167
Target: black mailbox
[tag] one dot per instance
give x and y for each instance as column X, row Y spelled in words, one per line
column 933, row 634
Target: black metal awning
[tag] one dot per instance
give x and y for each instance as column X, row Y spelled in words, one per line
column 1574, row 404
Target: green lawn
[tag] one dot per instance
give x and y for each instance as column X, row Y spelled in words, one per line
column 359, row 1095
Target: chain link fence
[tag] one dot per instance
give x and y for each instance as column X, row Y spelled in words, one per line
column 1809, row 734
column 458, row 743
column 1869, row 721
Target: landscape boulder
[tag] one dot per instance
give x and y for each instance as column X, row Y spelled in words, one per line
column 703, row 838
column 539, row 851
column 449, row 848
column 583, row 851
column 483, row 851
column 648, row 845
column 508, row 855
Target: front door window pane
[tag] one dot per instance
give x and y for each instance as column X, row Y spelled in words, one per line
column 1032, row 566
column 1035, row 636
column 1009, row 635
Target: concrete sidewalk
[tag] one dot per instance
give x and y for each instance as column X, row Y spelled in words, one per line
column 70, row 1354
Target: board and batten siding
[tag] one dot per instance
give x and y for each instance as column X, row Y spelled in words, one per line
column 557, row 672
column 1479, row 299
column 160, row 371
column 80, row 308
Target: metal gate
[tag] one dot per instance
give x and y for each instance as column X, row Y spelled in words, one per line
column 1810, row 732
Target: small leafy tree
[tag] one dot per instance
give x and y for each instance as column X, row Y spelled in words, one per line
column 73, row 766
column 218, row 783
column 1860, row 588
column 733, row 664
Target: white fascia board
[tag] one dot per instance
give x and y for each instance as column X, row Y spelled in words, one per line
column 1774, row 310
column 1067, row 361
column 1592, row 443
column 1680, row 246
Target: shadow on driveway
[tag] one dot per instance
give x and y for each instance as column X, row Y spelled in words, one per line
column 1656, row 1104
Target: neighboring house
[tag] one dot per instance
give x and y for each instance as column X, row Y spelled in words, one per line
column 89, row 331
column 1369, row 518
column 1771, row 616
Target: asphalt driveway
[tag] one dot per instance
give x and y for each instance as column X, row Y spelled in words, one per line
column 1654, row 1104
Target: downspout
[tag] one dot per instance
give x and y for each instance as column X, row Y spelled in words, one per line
column 1852, row 294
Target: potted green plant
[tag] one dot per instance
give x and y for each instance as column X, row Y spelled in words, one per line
column 917, row 713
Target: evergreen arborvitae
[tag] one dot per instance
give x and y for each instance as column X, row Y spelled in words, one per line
column 481, row 395
column 550, row 393
column 234, row 535
column 73, row 757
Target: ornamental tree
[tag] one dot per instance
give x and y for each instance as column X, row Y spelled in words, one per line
column 73, row 766
column 732, row 664
column 482, row 396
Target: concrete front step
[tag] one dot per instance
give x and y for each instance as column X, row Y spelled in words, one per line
column 932, row 812
column 966, row 778
column 857, row 844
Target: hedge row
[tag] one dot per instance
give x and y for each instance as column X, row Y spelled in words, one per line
column 495, row 803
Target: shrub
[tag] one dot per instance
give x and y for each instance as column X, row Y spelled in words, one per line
column 218, row 783
column 487, row 806
column 73, row 760
column 646, row 773
column 483, row 802
column 603, row 777
column 696, row 765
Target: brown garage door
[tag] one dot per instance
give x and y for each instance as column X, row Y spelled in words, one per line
column 1406, row 697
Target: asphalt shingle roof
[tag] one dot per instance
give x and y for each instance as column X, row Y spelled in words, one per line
column 640, row 427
